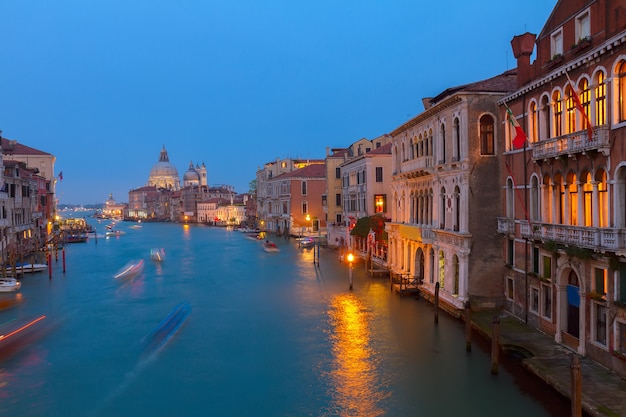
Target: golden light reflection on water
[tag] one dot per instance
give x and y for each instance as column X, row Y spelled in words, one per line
column 356, row 391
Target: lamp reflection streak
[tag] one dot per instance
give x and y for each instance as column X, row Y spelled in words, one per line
column 356, row 391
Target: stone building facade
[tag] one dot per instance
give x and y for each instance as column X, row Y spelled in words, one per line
column 445, row 195
column 563, row 218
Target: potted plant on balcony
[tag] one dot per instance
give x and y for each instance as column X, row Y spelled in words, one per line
column 582, row 43
column 556, row 59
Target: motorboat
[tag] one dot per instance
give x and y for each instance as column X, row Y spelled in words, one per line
column 157, row 254
column 9, row 284
column 25, row 268
column 130, row 270
column 114, row 233
column 270, row 246
column 307, row 242
column 167, row 328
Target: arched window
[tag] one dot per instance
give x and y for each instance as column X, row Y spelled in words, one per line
column 442, row 270
column 442, row 131
column 412, row 151
column 432, row 266
column 621, row 91
column 534, row 199
column 572, row 195
column 420, row 148
column 533, row 131
column 620, row 195
column 545, row 129
column 442, row 208
column 557, row 114
column 429, row 145
column 603, row 199
column 510, row 199
column 570, row 110
column 303, row 187
column 457, row 209
column 456, row 152
column 403, row 156
column 487, row 145
column 585, row 101
column 585, row 180
column 548, row 200
column 559, row 199
column 600, row 96
column 455, row 265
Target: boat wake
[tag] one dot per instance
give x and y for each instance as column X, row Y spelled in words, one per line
column 152, row 344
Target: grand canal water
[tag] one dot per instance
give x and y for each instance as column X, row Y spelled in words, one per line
column 270, row 334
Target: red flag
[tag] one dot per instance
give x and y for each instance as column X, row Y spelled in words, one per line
column 61, row 176
column 520, row 137
column 580, row 108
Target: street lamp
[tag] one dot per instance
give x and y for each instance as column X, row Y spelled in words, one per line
column 308, row 218
column 350, row 260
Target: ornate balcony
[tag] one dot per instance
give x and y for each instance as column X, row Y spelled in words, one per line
column 506, row 225
column 572, row 143
column 598, row 239
column 420, row 233
column 417, row 167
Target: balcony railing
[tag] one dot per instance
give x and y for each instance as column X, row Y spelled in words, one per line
column 595, row 238
column 506, row 225
column 418, row 166
column 572, row 143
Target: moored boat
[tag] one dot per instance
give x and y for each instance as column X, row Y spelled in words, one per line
column 9, row 284
column 24, row 268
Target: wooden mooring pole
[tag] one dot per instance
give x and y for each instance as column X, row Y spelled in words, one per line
column 437, row 303
column 495, row 345
column 577, row 410
column 468, row 327
column 63, row 259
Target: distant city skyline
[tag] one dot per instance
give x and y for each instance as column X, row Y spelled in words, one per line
column 103, row 86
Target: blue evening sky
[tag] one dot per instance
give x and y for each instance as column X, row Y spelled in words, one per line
column 103, row 85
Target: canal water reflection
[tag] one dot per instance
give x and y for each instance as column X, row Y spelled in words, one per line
column 269, row 334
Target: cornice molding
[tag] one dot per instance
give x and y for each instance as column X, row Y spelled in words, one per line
column 606, row 47
column 427, row 114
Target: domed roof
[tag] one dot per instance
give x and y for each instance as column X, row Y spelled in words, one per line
column 191, row 174
column 163, row 168
column 163, row 174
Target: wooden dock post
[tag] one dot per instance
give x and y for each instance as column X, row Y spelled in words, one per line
column 495, row 345
column 49, row 265
column 63, row 258
column 437, row 302
column 468, row 327
column 577, row 410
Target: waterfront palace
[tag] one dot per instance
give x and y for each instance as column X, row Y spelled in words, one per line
column 507, row 192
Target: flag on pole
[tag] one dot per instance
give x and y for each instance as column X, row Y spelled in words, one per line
column 520, row 137
column 61, row 176
column 580, row 108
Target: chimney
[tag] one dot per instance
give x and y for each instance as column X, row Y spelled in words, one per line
column 523, row 46
column 427, row 103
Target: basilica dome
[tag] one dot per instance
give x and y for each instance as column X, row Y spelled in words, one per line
column 163, row 174
column 191, row 177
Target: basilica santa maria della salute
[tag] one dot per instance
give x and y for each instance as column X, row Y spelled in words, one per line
column 165, row 175
column 165, row 198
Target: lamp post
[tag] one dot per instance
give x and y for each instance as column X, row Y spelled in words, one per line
column 350, row 260
column 308, row 219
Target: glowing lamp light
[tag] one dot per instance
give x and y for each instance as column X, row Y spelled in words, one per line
column 350, row 257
